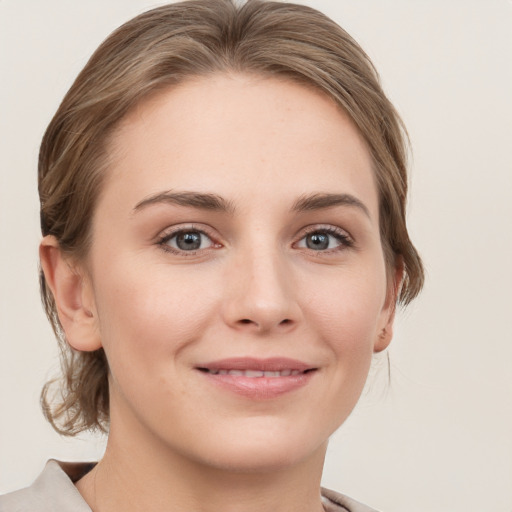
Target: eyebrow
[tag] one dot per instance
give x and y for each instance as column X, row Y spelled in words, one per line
column 323, row 201
column 199, row 200
column 214, row 202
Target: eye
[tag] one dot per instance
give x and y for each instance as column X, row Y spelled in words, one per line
column 186, row 240
column 325, row 239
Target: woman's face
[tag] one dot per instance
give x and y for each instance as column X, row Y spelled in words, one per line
column 236, row 277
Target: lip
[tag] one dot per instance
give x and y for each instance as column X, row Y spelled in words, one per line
column 297, row 374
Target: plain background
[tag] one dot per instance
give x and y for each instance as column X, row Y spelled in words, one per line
column 438, row 436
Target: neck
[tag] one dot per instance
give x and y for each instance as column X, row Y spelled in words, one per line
column 145, row 475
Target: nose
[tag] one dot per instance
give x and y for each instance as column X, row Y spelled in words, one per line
column 261, row 295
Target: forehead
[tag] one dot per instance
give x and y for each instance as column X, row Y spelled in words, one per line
column 240, row 132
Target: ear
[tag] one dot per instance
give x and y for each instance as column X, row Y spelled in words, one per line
column 73, row 296
column 385, row 333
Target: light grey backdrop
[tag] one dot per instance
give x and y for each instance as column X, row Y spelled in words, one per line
column 439, row 438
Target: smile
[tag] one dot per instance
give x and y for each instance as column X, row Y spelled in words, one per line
column 254, row 373
column 258, row 379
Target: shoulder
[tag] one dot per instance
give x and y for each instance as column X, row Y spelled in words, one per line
column 52, row 491
column 336, row 502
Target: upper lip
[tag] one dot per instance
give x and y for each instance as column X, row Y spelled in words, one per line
column 273, row 364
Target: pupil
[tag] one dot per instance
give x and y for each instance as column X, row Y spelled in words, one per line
column 317, row 241
column 188, row 241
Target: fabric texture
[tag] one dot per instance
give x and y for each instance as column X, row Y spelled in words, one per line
column 54, row 491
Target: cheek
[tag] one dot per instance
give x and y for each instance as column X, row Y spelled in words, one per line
column 349, row 333
column 347, row 308
column 147, row 316
column 344, row 317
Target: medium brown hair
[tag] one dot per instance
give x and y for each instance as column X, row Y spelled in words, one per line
column 166, row 46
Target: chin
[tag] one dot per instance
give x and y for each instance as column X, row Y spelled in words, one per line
column 256, row 459
column 259, row 449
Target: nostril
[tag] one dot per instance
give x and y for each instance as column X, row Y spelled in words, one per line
column 264, row 325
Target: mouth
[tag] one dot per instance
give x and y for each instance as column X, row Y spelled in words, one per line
column 254, row 374
column 258, row 378
column 253, row 368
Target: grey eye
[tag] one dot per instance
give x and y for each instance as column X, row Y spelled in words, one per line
column 317, row 241
column 323, row 240
column 189, row 241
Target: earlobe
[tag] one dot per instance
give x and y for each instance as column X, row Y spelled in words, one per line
column 73, row 296
column 385, row 335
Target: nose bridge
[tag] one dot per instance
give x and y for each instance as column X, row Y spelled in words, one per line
column 262, row 291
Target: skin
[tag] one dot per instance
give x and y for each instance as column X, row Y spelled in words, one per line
column 253, row 288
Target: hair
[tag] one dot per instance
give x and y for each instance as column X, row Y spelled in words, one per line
column 164, row 47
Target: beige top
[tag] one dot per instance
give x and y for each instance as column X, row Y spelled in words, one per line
column 54, row 491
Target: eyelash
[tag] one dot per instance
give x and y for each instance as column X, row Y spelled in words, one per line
column 164, row 239
column 345, row 241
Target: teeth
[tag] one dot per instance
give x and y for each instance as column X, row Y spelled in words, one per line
column 256, row 373
column 253, row 373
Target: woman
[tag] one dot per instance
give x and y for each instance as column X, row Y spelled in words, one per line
column 223, row 210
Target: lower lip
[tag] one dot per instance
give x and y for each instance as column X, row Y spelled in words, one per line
column 260, row 388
